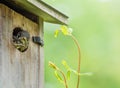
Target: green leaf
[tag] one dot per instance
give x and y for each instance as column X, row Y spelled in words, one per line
column 86, row 74
column 56, row 33
column 64, row 30
column 65, row 65
column 68, row 74
column 58, row 76
column 74, row 71
column 81, row 74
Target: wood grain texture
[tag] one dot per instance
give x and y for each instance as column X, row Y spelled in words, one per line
column 0, row 47
column 19, row 70
column 0, row 37
column 41, row 69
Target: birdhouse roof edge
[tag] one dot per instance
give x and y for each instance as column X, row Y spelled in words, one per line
column 40, row 9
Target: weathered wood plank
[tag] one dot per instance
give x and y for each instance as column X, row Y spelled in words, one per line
column 19, row 70
column 41, row 62
column 0, row 47
column 0, row 32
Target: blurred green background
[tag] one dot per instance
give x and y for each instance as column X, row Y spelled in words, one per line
column 96, row 25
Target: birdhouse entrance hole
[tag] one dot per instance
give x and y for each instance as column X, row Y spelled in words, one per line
column 20, row 39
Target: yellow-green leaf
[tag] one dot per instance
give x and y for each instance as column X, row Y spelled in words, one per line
column 65, row 64
column 75, row 72
column 68, row 74
column 86, row 74
column 58, row 76
column 64, row 30
column 56, row 33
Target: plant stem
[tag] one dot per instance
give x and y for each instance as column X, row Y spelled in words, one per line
column 79, row 59
column 66, row 86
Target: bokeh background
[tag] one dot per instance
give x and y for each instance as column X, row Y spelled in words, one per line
column 96, row 25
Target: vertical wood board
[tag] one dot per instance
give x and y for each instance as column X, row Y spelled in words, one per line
column 17, row 69
column 0, row 47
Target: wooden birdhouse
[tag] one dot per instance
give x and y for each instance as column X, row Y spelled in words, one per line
column 21, row 41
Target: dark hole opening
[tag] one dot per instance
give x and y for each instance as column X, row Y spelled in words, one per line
column 16, row 31
column 20, row 39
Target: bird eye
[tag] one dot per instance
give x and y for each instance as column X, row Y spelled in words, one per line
column 19, row 34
